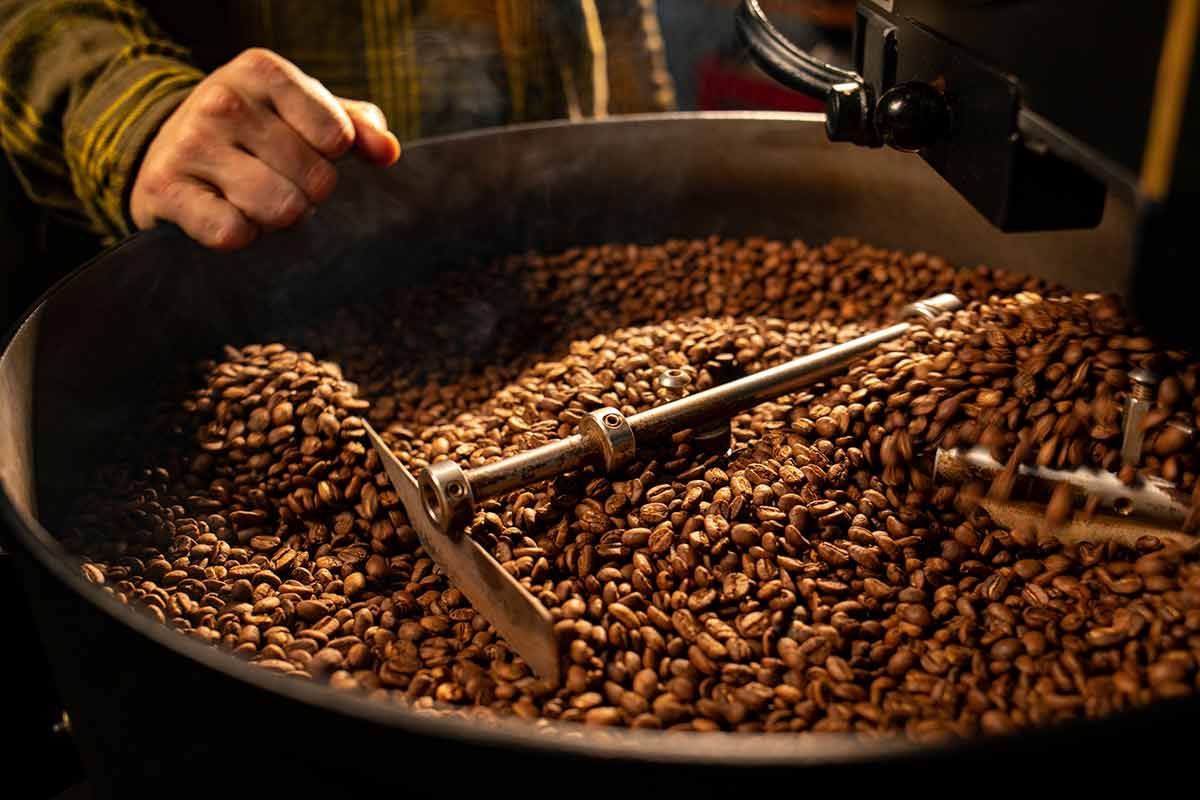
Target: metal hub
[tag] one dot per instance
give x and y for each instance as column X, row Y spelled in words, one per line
column 446, row 495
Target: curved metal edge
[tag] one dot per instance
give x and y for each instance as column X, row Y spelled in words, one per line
column 724, row 749
column 733, row 750
column 621, row 120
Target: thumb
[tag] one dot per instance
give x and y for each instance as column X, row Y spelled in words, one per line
column 371, row 135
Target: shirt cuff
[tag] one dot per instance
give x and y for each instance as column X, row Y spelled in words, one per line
column 112, row 126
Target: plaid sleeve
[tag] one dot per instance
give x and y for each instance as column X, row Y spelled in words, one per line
column 84, row 84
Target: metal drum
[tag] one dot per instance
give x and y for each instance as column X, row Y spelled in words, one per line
column 153, row 710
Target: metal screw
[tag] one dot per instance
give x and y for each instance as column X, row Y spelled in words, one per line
column 673, row 384
column 674, row 379
column 1143, row 383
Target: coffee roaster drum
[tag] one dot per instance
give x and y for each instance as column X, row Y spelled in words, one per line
column 152, row 709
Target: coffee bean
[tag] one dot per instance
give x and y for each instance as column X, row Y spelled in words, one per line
column 735, row 586
column 1058, row 510
column 354, row 584
column 995, row 722
column 660, row 539
column 604, row 715
column 92, row 572
column 812, row 578
column 685, row 624
column 312, row 610
column 989, row 398
column 1170, row 440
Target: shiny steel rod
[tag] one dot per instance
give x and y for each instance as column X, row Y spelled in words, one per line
column 609, row 438
column 661, row 422
column 539, row 464
column 729, row 399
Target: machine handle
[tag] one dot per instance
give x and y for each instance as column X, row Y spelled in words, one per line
column 849, row 100
column 780, row 58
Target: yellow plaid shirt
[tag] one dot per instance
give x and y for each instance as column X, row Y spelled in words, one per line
column 84, row 84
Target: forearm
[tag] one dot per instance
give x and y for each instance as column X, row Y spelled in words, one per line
column 84, row 84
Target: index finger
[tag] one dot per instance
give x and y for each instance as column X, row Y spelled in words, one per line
column 299, row 100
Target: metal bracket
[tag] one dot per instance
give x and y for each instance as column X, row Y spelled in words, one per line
column 1142, row 383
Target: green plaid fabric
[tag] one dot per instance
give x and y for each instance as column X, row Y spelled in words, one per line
column 84, row 84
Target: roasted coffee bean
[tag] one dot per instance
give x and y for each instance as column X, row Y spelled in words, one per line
column 1058, row 510
column 812, row 578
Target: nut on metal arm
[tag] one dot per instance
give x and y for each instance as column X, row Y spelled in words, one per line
column 849, row 114
column 447, row 496
column 608, row 431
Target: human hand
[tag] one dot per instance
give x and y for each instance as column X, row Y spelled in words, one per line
column 249, row 150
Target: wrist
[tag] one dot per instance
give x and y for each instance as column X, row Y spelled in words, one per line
column 111, row 129
column 153, row 124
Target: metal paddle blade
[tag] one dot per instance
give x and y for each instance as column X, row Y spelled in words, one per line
column 492, row 590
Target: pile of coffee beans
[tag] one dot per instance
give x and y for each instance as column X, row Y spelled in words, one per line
column 813, row 578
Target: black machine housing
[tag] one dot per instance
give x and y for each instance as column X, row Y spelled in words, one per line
column 1035, row 111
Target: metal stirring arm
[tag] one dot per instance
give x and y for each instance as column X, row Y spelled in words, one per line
column 440, row 504
column 1148, row 497
column 492, row 590
column 609, row 439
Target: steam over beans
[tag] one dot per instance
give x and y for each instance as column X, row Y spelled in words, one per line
column 813, row 579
